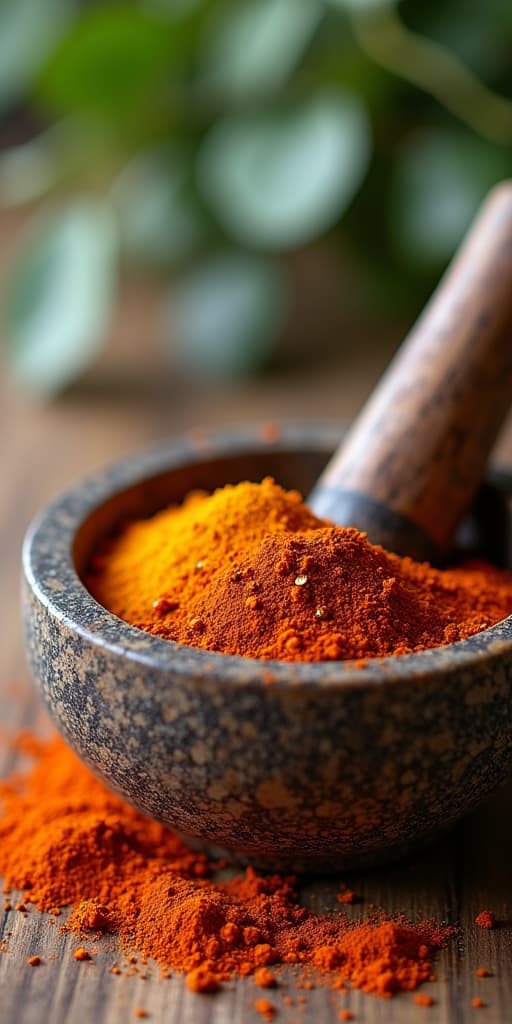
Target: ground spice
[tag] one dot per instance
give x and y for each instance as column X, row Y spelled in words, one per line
column 485, row 919
column 202, row 979
column 380, row 958
column 347, row 896
column 423, row 1000
column 81, row 954
column 264, row 978
column 65, row 840
column 250, row 570
column 265, row 1008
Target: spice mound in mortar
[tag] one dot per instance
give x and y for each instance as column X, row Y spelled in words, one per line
column 249, row 570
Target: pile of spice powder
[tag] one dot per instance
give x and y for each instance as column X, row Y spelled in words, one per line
column 65, row 840
column 249, row 570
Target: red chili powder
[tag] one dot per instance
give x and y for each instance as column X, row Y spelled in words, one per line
column 249, row 570
column 486, row 919
column 264, row 978
column 66, row 841
column 81, row 954
column 423, row 1000
column 265, row 1008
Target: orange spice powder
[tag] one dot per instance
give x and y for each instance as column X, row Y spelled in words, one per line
column 249, row 570
column 486, row 919
column 66, row 841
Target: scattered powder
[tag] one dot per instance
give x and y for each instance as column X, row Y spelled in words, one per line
column 421, row 999
column 265, row 1008
column 347, row 896
column 81, row 954
column 202, row 979
column 89, row 915
column 486, row 919
column 65, row 840
column 264, row 978
column 382, row 958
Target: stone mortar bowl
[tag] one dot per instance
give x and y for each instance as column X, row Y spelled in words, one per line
column 302, row 766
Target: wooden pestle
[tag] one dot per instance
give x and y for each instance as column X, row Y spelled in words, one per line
column 415, row 456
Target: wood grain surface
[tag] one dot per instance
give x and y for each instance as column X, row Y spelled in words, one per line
column 43, row 450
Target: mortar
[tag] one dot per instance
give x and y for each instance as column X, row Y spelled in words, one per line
column 321, row 766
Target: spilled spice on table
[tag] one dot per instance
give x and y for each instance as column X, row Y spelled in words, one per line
column 486, row 919
column 66, row 841
column 265, row 1008
column 421, row 999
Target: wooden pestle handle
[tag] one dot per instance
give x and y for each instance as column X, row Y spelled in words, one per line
column 414, row 458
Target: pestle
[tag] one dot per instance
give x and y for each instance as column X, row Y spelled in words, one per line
column 415, row 456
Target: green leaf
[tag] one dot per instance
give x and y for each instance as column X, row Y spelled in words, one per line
column 277, row 180
column 60, row 153
column 362, row 5
column 113, row 60
column 172, row 7
column 224, row 316
column 160, row 219
column 28, row 171
column 252, row 48
column 482, row 43
column 61, row 297
column 438, row 183
column 29, row 29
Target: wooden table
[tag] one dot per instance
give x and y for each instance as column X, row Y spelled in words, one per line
column 44, row 449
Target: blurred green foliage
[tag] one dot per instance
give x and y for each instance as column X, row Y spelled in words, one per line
column 204, row 140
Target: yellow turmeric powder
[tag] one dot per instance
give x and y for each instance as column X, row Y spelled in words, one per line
column 250, row 570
